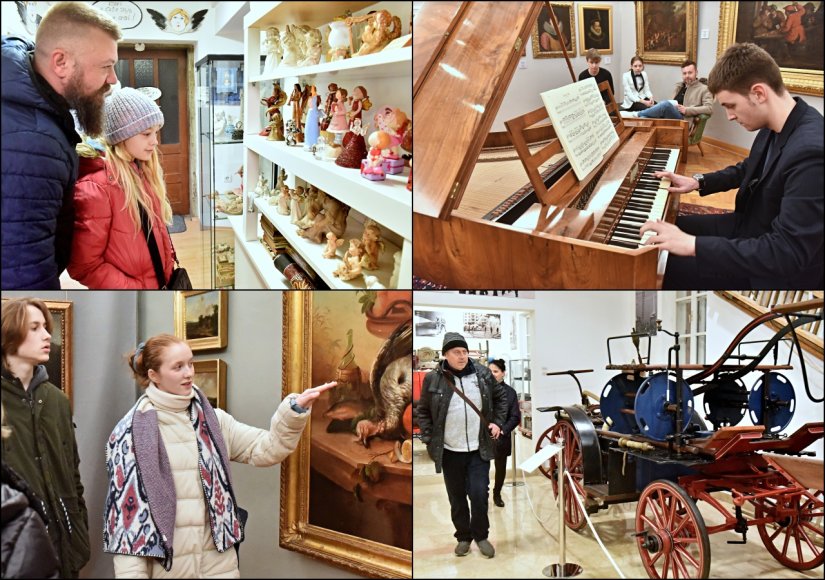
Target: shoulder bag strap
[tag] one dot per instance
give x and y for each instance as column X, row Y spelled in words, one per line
column 468, row 401
column 153, row 247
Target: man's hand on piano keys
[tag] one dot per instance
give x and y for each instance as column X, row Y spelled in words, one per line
column 667, row 236
column 678, row 183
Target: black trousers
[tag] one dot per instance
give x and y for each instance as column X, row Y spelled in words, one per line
column 682, row 272
column 467, row 475
column 501, row 471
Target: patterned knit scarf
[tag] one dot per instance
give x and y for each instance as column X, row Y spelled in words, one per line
column 140, row 510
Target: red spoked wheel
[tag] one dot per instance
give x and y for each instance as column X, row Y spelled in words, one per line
column 670, row 533
column 795, row 537
column 563, row 430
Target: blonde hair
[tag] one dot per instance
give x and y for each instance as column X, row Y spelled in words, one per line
column 593, row 55
column 61, row 23
column 119, row 162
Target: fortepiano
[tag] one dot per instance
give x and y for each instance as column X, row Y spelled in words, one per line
column 567, row 233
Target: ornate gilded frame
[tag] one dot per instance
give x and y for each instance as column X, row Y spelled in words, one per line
column 582, row 24
column 664, row 57
column 208, row 343
column 797, row 80
column 358, row 555
column 537, row 50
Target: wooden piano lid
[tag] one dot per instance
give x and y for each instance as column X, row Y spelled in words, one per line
column 464, row 55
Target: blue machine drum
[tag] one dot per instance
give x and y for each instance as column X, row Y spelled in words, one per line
column 614, row 399
column 781, row 406
column 658, row 391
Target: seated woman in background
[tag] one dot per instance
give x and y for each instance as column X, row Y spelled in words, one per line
column 637, row 93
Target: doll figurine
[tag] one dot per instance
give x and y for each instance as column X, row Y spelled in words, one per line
column 274, row 52
column 312, row 47
column 351, row 267
column 276, row 127
column 283, row 200
column 382, row 28
column 333, row 243
column 372, row 167
column 355, row 148
column 295, row 100
column 332, row 89
column 296, row 204
column 360, row 102
column 339, row 124
column 273, row 104
column 312, row 128
column 372, row 244
column 289, row 44
column 396, row 124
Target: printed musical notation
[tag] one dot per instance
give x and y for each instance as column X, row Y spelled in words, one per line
column 582, row 124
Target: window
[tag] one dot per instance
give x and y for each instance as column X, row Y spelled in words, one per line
column 691, row 324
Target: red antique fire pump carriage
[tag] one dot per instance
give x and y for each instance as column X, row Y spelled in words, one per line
column 643, row 441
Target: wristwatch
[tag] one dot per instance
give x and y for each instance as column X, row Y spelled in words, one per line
column 701, row 179
column 293, row 404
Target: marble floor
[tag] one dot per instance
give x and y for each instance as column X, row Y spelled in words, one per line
column 525, row 534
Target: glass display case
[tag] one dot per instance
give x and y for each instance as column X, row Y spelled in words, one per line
column 519, row 370
column 220, row 135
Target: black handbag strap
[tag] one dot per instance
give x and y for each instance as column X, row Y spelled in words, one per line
column 469, row 402
column 153, row 247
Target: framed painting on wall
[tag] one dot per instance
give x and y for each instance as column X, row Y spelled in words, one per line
column 666, row 31
column 201, row 318
column 346, row 493
column 546, row 43
column 596, row 28
column 210, row 377
column 791, row 32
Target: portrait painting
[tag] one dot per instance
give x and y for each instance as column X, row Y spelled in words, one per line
column 429, row 323
column 347, row 490
column 596, row 28
column 482, row 325
column 210, row 377
column 546, row 42
column 791, row 32
column 666, row 31
column 201, row 318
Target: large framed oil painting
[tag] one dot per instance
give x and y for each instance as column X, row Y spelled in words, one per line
column 201, row 318
column 666, row 31
column 59, row 365
column 546, row 43
column 790, row 31
column 346, row 493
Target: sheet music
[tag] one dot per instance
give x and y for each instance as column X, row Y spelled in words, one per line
column 582, row 124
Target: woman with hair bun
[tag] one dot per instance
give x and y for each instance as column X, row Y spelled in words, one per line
column 504, row 444
column 171, row 509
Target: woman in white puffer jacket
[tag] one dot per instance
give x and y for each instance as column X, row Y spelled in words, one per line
column 170, row 509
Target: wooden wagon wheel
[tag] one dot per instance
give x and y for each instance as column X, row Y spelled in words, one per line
column 670, row 533
column 795, row 541
column 564, row 430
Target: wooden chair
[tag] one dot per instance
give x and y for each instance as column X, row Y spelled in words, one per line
column 695, row 137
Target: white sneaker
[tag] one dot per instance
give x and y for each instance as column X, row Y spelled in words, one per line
column 629, row 114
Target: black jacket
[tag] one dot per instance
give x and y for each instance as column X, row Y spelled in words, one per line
column 778, row 237
column 435, row 400
column 504, row 442
column 26, row 548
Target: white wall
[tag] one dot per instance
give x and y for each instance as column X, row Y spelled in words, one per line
column 543, row 74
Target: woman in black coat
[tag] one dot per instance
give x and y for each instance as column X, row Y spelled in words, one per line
column 504, row 442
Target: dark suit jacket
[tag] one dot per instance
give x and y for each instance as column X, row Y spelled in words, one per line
column 777, row 241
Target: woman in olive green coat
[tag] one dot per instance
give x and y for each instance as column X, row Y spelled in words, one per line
column 43, row 449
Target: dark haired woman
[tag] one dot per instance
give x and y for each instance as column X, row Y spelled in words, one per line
column 504, row 442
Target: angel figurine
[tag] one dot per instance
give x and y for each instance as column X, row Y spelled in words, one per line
column 360, row 102
column 289, row 43
column 333, row 243
column 296, row 204
column 332, row 90
column 339, row 124
column 372, row 244
column 312, row 47
column 283, row 200
column 382, row 28
column 274, row 52
column 351, row 267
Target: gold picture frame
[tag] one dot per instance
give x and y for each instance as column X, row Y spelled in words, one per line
column 301, row 489
column 545, row 45
column 59, row 365
column 666, row 31
column 210, row 377
column 201, row 318
column 797, row 78
column 600, row 38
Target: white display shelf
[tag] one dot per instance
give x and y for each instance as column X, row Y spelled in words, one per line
column 387, row 202
column 263, row 14
column 258, row 255
column 378, row 65
column 312, row 252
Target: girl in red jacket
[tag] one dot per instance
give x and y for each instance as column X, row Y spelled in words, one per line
column 110, row 248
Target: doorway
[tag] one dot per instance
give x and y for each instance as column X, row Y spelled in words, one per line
column 166, row 70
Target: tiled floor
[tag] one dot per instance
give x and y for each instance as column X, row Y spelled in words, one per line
column 526, row 544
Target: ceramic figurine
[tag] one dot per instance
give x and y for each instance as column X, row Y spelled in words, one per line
column 372, row 167
column 333, row 243
column 312, row 129
column 289, row 44
column 281, row 179
column 273, row 104
column 276, row 127
column 274, row 52
column 283, row 200
column 338, row 40
column 372, row 244
column 291, row 133
column 220, row 124
column 339, row 124
column 312, row 47
column 351, row 266
column 295, row 100
column 332, row 89
column 372, row 283
column 360, row 102
column 262, row 186
column 396, row 124
column 355, row 148
column 396, row 270
column 331, row 218
column 314, row 204
column 382, row 28
column 296, row 204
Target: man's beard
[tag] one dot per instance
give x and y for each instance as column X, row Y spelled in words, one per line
column 89, row 108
